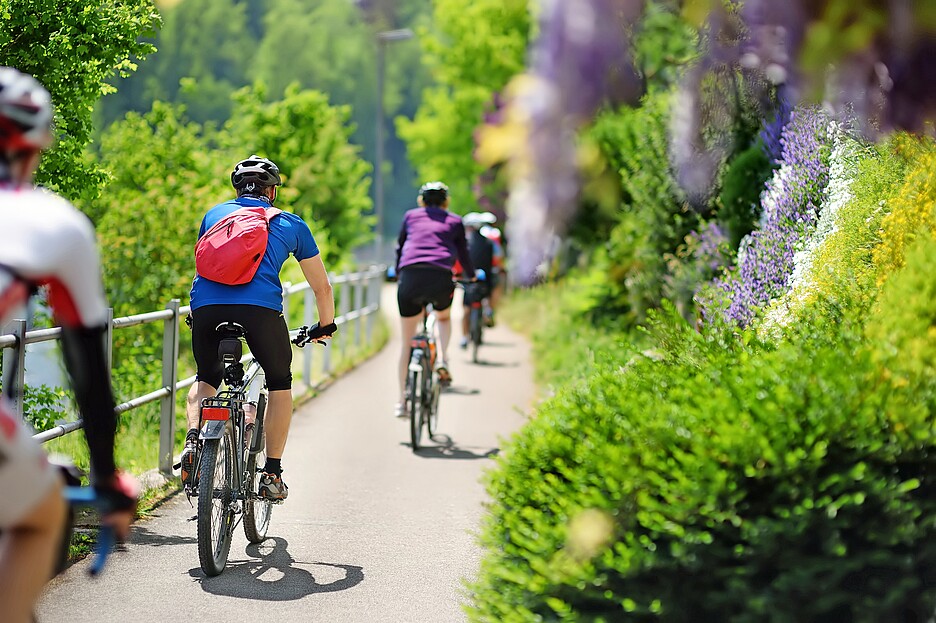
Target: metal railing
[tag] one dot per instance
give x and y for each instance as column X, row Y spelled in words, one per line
column 358, row 296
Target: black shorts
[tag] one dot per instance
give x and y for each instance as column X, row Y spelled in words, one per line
column 267, row 337
column 476, row 292
column 421, row 285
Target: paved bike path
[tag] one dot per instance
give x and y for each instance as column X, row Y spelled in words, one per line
column 371, row 532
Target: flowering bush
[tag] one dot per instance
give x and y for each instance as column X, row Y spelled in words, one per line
column 911, row 210
column 732, row 484
column 790, row 209
column 803, row 287
column 704, row 253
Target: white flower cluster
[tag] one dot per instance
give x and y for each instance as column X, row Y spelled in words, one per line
column 843, row 163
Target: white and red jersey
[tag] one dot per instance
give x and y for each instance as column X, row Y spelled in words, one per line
column 46, row 242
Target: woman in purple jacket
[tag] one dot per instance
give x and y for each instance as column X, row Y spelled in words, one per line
column 430, row 239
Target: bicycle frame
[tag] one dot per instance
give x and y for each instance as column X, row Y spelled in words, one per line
column 227, row 405
column 422, row 384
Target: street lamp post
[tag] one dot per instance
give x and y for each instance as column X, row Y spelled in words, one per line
column 383, row 38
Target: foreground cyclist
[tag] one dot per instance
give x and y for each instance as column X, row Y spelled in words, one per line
column 257, row 305
column 49, row 243
column 430, row 240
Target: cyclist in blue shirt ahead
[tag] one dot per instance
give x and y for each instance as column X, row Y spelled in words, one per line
column 258, row 306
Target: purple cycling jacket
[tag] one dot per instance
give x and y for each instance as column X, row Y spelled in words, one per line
column 432, row 237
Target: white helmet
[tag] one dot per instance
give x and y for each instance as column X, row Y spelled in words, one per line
column 477, row 220
column 25, row 112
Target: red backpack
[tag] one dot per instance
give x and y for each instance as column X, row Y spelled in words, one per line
column 231, row 251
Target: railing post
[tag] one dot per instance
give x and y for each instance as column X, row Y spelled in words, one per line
column 14, row 365
column 286, row 295
column 109, row 343
column 360, row 283
column 371, row 291
column 345, row 305
column 170, row 365
column 308, row 319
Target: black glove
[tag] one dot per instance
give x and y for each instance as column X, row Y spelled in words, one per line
column 316, row 331
column 120, row 492
column 308, row 334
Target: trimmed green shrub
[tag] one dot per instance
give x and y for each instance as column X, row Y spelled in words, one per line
column 654, row 218
column 742, row 184
column 718, row 483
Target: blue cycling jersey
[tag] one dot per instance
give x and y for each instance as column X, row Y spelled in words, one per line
column 288, row 234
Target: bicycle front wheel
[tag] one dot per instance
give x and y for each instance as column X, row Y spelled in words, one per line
column 257, row 510
column 414, row 402
column 215, row 502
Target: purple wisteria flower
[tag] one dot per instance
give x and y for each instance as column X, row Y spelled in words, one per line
column 790, row 208
column 772, row 130
column 578, row 62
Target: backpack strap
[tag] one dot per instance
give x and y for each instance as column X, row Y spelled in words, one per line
column 271, row 212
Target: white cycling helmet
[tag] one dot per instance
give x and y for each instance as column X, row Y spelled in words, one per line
column 25, row 112
column 477, row 220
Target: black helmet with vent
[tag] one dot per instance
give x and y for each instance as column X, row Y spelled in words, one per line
column 256, row 171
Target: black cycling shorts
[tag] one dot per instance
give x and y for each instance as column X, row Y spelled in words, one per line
column 476, row 292
column 267, row 337
column 421, row 285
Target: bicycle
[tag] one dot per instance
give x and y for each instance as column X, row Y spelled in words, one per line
column 475, row 293
column 231, row 455
column 423, row 384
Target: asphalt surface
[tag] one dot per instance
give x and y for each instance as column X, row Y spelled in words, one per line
column 371, row 532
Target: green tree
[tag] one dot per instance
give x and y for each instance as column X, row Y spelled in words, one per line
column 325, row 178
column 73, row 47
column 165, row 172
column 473, row 50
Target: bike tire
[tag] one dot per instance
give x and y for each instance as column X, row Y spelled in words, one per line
column 432, row 422
column 215, row 496
column 414, row 402
column 475, row 331
column 257, row 510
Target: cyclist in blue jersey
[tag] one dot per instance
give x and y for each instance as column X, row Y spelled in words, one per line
column 258, row 307
column 49, row 244
column 430, row 240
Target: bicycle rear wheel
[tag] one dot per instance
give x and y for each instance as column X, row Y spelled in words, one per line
column 474, row 324
column 215, row 499
column 257, row 510
column 414, row 402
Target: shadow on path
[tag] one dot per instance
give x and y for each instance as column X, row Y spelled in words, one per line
column 272, row 574
column 496, row 364
column 448, row 449
column 460, row 390
column 141, row 535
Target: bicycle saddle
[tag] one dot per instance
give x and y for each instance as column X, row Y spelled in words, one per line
column 230, row 348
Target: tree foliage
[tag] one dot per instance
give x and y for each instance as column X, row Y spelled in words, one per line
column 73, row 47
column 473, row 50
column 326, row 180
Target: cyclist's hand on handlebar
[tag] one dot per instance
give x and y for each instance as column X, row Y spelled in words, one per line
column 315, row 333
column 121, row 492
